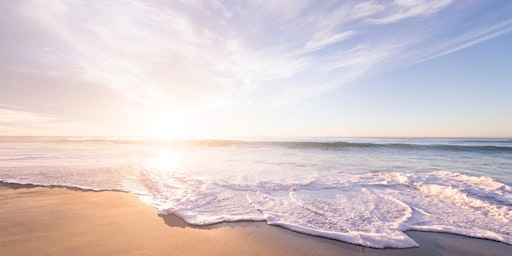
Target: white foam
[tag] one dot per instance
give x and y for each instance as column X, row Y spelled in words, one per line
column 373, row 210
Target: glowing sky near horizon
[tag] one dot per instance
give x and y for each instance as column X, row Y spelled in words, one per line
column 256, row 68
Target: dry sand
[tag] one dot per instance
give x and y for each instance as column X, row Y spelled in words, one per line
column 62, row 221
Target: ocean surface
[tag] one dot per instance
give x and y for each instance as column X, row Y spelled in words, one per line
column 364, row 191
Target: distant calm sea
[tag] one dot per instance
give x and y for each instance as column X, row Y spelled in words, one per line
column 365, row 191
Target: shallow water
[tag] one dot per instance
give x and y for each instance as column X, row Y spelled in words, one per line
column 365, row 191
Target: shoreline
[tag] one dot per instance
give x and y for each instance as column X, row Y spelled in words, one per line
column 58, row 220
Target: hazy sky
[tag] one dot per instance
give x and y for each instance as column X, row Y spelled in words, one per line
column 256, row 68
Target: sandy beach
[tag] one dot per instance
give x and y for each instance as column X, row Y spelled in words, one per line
column 62, row 221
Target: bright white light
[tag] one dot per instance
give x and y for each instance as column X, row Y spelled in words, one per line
column 165, row 161
column 169, row 126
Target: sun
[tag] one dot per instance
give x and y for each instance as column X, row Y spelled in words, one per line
column 169, row 126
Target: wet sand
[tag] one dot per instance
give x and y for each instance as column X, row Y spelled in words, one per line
column 63, row 221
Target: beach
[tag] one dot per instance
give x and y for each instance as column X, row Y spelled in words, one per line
column 255, row 127
column 66, row 221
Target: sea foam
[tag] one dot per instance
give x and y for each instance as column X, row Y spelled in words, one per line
column 368, row 209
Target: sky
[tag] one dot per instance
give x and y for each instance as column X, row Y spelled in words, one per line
column 193, row 68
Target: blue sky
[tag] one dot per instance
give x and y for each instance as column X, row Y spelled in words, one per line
column 256, row 68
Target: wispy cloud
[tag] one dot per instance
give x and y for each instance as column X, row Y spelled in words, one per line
column 199, row 54
column 467, row 39
column 320, row 41
column 16, row 122
column 394, row 11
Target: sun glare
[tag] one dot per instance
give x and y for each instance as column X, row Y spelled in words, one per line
column 169, row 127
column 166, row 160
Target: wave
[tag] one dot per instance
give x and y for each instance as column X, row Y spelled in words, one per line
column 503, row 145
column 343, row 145
column 371, row 209
column 24, row 158
column 406, row 146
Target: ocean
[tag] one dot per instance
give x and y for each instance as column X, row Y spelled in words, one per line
column 364, row 191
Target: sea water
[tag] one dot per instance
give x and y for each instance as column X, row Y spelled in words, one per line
column 365, row 191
